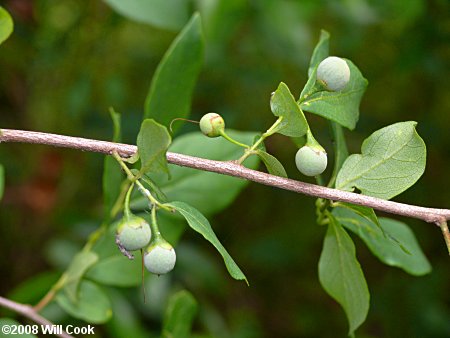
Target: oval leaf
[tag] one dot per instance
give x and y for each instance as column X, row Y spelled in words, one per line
column 179, row 315
column 152, row 142
column 116, row 271
column 199, row 223
column 172, row 85
column 282, row 103
column 34, row 288
column 6, row 24
column 77, row 268
column 341, row 276
column 367, row 213
column 168, row 14
column 125, row 321
column 272, row 164
column 392, row 159
column 342, row 106
column 320, row 51
column 388, row 248
column 93, row 305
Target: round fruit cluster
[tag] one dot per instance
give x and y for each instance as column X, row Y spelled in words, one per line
column 134, row 233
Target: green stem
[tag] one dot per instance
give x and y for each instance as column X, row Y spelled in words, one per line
column 118, row 205
column 228, row 138
column 322, row 211
column 317, row 87
column 97, row 234
column 311, row 140
column 125, row 168
column 126, row 208
column 134, row 179
column 156, row 234
column 180, row 119
column 51, row 293
column 268, row 133
column 340, row 151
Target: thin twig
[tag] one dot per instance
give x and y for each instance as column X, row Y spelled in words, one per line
column 29, row 312
column 431, row 215
column 446, row 234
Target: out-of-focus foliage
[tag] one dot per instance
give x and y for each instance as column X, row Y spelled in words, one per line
column 6, row 24
column 68, row 61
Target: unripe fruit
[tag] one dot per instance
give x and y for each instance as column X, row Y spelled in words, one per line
column 311, row 161
column 160, row 258
column 333, row 73
column 134, row 232
column 212, row 125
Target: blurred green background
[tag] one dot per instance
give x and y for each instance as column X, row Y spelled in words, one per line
column 68, row 61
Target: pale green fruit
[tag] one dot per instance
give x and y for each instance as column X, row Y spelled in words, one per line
column 311, row 161
column 212, row 125
column 333, row 73
column 160, row 258
column 134, row 233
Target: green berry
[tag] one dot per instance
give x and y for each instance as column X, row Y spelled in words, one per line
column 134, row 233
column 311, row 161
column 333, row 73
column 160, row 257
column 212, row 125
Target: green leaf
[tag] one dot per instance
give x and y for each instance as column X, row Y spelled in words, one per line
column 93, row 305
column 342, row 106
column 206, row 191
column 367, row 213
column 125, row 321
column 112, row 174
column 112, row 178
column 340, row 150
column 272, row 164
column 172, row 85
column 180, row 314
column 105, row 246
column 152, row 142
column 383, row 246
column 167, row 14
column 261, row 145
column 199, row 223
column 341, row 276
column 392, row 159
column 320, row 51
column 2, row 181
column 77, row 268
column 6, row 24
column 283, row 104
column 14, row 323
column 159, row 194
column 34, row 288
column 116, row 270
column 117, row 125
column 171, row 225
